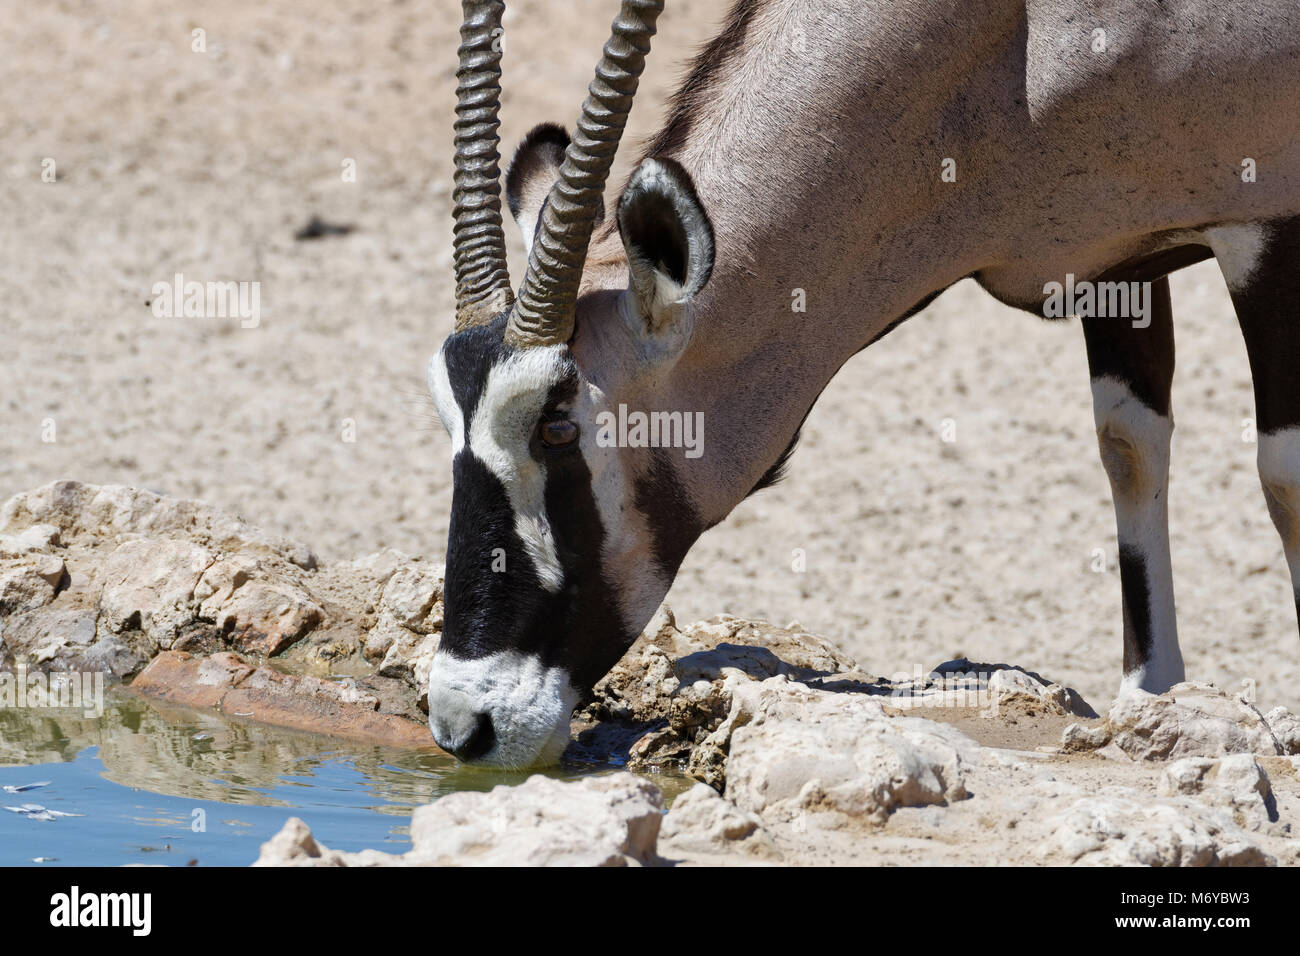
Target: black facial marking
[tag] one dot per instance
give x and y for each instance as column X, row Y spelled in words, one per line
column 493, row 593
column 591, row 632
column 490, row 587
column 660, row 492
column 470, row 356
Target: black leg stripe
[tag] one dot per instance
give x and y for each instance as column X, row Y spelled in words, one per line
column 1137, row 606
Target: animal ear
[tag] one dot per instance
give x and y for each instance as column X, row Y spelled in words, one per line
column 668, row 239
column 533, row 171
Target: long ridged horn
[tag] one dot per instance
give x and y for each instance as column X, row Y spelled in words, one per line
column 482, row 276
column 544, row 313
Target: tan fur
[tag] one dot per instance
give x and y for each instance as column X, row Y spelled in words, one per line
column 818, row 154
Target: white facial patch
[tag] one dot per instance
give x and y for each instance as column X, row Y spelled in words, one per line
column 444, row 400
column 503, row 423
column 528, row 702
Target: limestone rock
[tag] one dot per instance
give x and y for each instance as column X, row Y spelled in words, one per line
column 665, row 658
column 374, row 568
column 678, row 684
column 1129, row 828
column 410, row 657
column 256, row 610
column 85, row 513
column 40, row 636
column 639, row 687
column 794, row 750
column 106, row 578
column 410, row 623
column 228, row 683
column 702, row 821
column 148, row 585
column 1236, row 782
column 406, row 635
column 610, row 820
column 1285, row 727
column 65, row 638
column 295, row 846
column 758, row 650
column 1079, row 737
column 183, row 575
column 965, row 683
column 29, row 582
column 657, row 749
column 1009, row 682
column 413, row 595
column 1190, row 720
column 39, row 537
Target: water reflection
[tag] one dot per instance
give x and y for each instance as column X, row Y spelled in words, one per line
column 150, row 746
column 139, row 777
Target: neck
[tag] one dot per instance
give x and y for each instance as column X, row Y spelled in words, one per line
column 816, row 140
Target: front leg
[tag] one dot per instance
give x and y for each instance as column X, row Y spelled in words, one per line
column 1132, row 370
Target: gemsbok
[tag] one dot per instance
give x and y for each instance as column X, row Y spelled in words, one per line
column 813, row 145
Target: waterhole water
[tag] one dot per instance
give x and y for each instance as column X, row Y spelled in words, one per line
column 149, row 783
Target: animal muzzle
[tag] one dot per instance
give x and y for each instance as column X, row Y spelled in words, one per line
column 506, row 709
column 458, row 726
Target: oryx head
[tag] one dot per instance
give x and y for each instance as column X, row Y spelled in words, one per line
column 561, row 543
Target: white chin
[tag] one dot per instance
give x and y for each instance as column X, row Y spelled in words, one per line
column 530, row 704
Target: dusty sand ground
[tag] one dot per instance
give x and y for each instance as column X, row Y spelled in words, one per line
column 205, row 164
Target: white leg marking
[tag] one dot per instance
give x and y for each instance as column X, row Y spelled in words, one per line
column 1134, row 443
column 1279, row 473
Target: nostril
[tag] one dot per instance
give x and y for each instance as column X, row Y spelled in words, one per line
column 467, row 738
column 458, row 726
column 480, row 741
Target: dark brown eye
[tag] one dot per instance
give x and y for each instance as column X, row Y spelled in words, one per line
column 558, row 432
